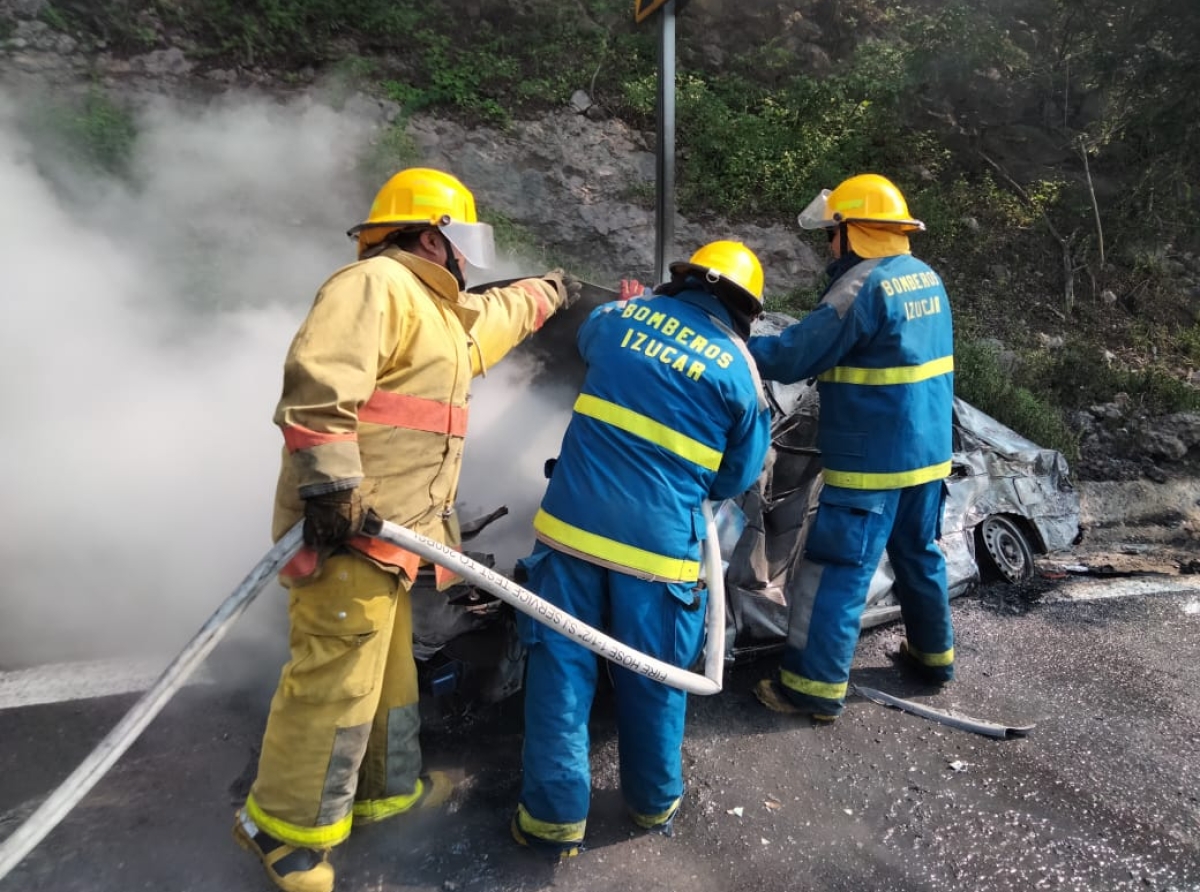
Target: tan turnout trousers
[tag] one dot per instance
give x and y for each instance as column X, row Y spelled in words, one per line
column 344, row 720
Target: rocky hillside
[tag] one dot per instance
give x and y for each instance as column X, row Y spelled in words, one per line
column 543, row 109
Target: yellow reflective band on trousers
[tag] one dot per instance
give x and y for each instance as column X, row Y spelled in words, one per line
column 658, row 566
column 565, row 833
column 304, row 837
column 897, row 480
column 823, row 689
column 647, row 822
column 945, row 658
column 648, row 429
column 904, row 374
column 378, row 809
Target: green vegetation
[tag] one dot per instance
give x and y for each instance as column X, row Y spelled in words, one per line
column 983, row 378
column 1052, row 148
column 515, row 240
column 93, row 132
column 118, row 24
column 798, row 301
column 393, row 151
column 51, row 15
column 455, row 80
column 1033, row 392
column 267, row 32
column 1079, row 375
column 752, row 151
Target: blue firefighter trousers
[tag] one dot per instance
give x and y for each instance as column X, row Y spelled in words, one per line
column 664, row 620
column 844, row 545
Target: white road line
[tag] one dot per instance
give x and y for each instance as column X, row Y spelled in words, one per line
column 63, row 682
column 1103, row 589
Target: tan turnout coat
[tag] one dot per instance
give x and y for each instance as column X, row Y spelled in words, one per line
column 376, row 389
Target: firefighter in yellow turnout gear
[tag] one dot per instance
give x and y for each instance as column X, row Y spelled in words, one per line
column 374, row 415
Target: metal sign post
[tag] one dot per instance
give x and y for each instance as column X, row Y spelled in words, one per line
column 664, row 205
column 664, row 210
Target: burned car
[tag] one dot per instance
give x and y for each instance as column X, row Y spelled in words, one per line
column 1008, row 499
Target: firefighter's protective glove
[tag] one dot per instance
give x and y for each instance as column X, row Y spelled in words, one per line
column 568, row 287
column 333, row 518
column 630, row 289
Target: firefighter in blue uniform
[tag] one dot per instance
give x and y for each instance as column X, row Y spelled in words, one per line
column 671, row 413
column 880, row 345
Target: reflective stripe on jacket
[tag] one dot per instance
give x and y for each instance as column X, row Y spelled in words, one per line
column 881, row 345
column 375, row 391
column 670, row 413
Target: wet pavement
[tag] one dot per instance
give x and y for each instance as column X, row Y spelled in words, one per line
column 1103, row 794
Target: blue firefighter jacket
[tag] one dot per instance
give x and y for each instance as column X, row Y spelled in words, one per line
column 671, row 413
column 881, row 345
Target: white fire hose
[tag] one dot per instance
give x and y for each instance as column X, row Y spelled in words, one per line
column 597, row 642
column 77, row 785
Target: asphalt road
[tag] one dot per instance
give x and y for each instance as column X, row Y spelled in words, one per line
column 1103, row 794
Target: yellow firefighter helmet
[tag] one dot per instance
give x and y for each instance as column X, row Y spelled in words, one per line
column 423, row 196
column 731, row 269
column 867, row 199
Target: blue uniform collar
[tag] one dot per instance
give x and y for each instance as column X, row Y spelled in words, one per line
column 707, row 303
column 838, row 268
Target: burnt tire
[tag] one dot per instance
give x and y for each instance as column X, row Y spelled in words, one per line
column 1005, row 550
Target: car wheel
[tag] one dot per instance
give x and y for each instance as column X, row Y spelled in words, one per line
column 1006, row 549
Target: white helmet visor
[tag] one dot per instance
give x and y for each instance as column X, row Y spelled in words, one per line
column 474, row 240
column 816, row 215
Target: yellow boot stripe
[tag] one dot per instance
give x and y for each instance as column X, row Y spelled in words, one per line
column 293, row 834
column 378, row 809
column 945, row 658
column 648, row 821
column 564, row 833
column 823, row 689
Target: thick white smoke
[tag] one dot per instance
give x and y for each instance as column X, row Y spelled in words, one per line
column 141, row 352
